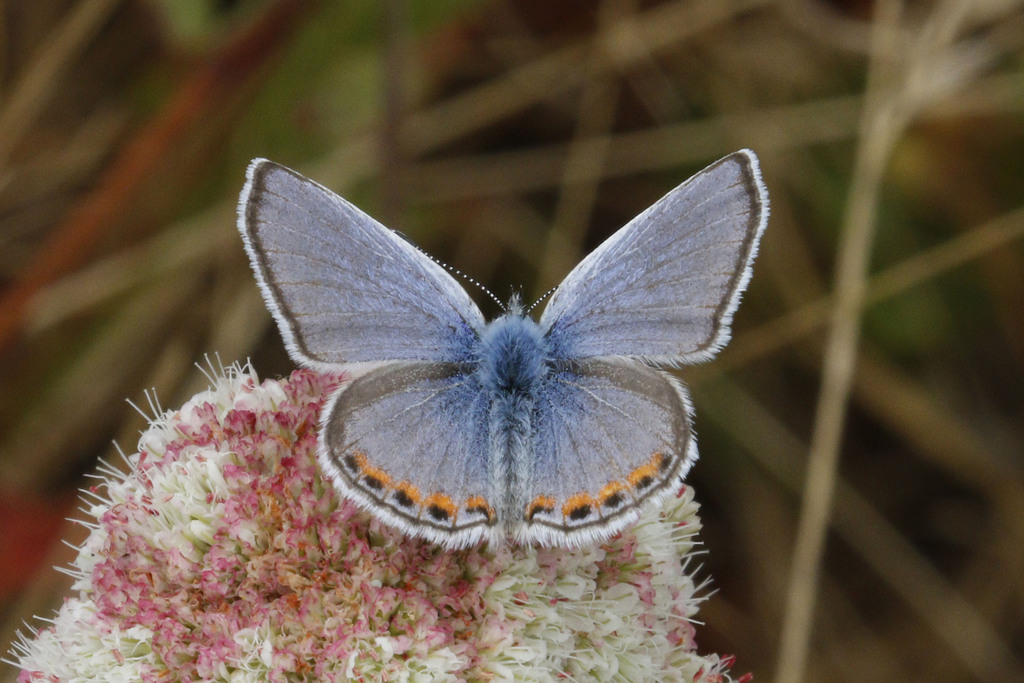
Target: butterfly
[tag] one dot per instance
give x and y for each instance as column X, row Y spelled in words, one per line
column 555, row 431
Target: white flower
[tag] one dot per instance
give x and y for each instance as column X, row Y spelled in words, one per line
column 225, row 556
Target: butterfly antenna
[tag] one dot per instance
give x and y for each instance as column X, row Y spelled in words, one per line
column 543, row 296
column 456, row 272
column 467, row 278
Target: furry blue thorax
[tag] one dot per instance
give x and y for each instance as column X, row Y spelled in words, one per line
column 512, row 353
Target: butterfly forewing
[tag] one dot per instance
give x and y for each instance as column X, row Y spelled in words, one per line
column 608, row 436
column 343, row 288
column 665, row 286
column 409, row 442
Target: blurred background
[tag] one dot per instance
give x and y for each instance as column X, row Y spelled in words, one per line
column 862, row 436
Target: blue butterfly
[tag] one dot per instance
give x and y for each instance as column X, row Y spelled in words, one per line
column 460, row 430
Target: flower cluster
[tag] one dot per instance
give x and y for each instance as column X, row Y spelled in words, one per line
column 223, row 555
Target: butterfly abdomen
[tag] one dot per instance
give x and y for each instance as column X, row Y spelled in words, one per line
column 511, row 367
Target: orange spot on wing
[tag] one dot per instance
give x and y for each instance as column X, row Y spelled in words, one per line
column 613, row 494
column 646, row 474
column 480, row 505
column 579, row 506
column 358, row 460
column 407, row 494
column 440, row 507
column 540, row 504
column 374, row 477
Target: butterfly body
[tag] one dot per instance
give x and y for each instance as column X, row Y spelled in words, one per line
column 554, row 431
column 511, row 370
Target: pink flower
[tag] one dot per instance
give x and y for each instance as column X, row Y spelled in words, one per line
column 224, row 555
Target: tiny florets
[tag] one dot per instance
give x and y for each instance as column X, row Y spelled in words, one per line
column 223, row 555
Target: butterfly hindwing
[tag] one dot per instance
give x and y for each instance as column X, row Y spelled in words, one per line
column 665, row 286
column 409, row 442
column 343, row 288
column 608, row 437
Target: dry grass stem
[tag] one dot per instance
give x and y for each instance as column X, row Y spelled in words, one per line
column 39, row 82
column 878, row 134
